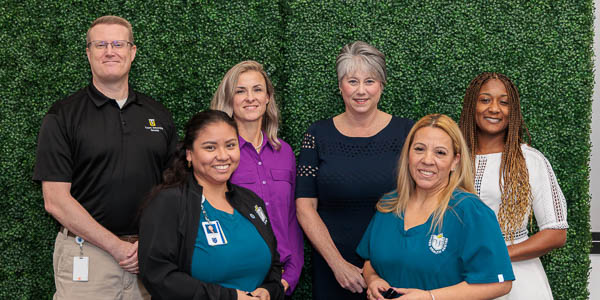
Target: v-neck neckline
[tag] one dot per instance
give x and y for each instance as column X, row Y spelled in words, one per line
column 417, row 228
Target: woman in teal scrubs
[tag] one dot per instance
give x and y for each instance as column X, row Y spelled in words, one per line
column 202, row 237
column 432, row 237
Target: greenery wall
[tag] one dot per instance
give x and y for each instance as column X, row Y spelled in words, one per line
column 433, row 48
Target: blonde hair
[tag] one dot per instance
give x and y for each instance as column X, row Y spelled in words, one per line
column 514, row 177
column 111, row 20
column 461, row 177
column 223, row 98
column 361, row 56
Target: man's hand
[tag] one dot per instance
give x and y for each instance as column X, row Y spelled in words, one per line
column 126, row 254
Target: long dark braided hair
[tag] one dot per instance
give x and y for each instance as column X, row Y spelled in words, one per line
column 514, row 177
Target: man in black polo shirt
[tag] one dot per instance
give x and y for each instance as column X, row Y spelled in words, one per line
column 100, row 151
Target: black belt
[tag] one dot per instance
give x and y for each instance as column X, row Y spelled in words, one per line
column 130, row 238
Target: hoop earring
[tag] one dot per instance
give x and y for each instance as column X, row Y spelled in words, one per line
column 189, row 163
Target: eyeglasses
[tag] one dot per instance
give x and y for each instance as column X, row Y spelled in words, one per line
column 101, row 45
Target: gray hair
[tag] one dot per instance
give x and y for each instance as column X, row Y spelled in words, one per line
column 361, row 56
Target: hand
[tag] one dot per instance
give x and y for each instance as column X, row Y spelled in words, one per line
column 127, row 256
column 413, row 294
column 241, row 295
column 376, row 288
column 286, row 285
column 349, row 277
column 261, row 294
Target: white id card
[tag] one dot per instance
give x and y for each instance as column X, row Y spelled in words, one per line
column 80, row 268
column 214, row 233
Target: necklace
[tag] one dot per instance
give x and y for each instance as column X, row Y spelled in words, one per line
column 257, row 148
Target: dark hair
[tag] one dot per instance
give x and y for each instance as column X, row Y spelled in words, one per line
column 178, row 171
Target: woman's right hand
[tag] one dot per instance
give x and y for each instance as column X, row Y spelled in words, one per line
column 241, row 295
column 349, row 276
column 376, row 288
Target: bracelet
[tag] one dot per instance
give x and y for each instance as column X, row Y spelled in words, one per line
column 432, row 296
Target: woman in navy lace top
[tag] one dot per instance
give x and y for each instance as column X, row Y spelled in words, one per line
column 346, row 164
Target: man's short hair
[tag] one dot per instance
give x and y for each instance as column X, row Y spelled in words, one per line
column 110, row 20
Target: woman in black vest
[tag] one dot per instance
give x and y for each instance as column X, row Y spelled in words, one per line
column 202, row 237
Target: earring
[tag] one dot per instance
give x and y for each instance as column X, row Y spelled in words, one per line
column 189, row 164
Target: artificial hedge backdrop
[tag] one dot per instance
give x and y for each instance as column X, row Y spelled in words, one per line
column 433, row 48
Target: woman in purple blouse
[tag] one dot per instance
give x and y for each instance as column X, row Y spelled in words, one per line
column 267, row 164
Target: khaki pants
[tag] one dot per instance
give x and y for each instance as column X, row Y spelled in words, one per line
column 106, row 279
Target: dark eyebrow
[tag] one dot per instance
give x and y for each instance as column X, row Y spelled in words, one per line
column 488, row 94
column 209, row 143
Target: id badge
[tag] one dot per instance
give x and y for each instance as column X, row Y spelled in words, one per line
column 80, row 268
column 214, row 233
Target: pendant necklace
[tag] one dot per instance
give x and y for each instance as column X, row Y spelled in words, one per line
column 257, row 148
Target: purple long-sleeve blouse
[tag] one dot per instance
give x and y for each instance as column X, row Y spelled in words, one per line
column 271, row 174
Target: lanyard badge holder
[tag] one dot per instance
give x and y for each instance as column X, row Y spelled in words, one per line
column 212, row 229
column 80, row 263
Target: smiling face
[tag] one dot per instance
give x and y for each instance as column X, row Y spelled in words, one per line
column 110, row 65
column 250, row 97
column 492, row 108
column 360, row 91
column 431, row 157
column 215, row 154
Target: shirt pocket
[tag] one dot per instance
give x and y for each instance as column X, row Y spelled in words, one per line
column 241, row 178
column 281, row 189
column 282, row 175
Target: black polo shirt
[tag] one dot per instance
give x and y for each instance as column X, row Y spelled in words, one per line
column 111, row 156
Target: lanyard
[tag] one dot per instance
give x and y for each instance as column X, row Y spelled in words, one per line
column 202, row 208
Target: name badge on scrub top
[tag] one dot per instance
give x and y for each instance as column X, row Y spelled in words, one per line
column 214, row 233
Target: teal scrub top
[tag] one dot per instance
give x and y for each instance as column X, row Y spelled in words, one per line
column 242, row 263
column 469, row 247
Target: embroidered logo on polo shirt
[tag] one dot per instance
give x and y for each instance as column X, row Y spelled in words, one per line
column 153, row 127
column 438, row 243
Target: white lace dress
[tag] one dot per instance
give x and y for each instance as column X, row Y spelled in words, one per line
column 549, row 208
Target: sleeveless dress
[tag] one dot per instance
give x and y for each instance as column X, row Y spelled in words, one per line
column 549, row 208
column 348, row 175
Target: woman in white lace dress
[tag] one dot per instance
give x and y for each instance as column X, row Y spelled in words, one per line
column 511, row 177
